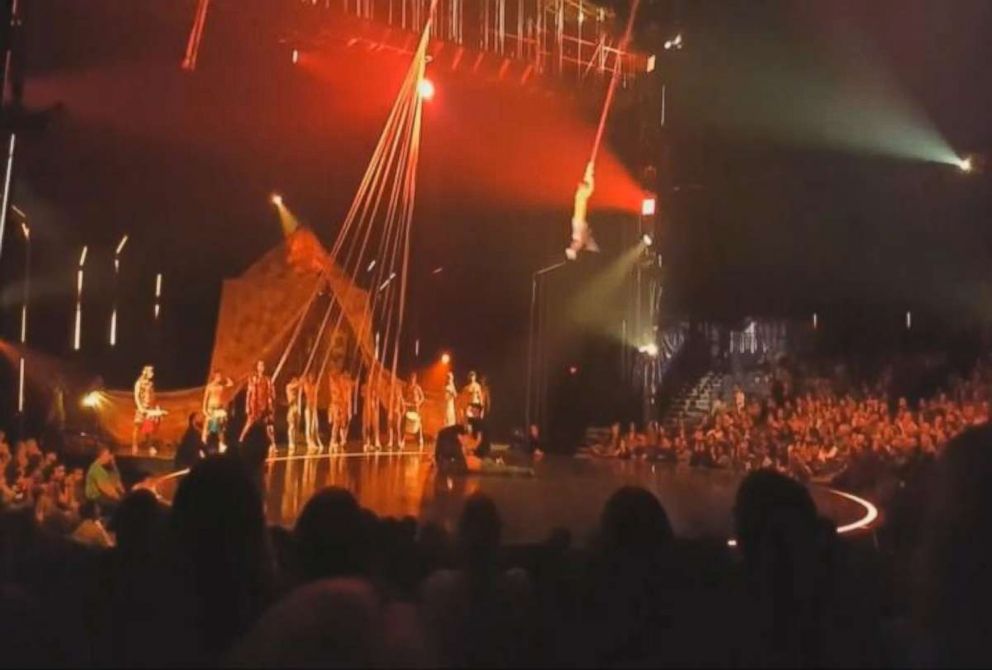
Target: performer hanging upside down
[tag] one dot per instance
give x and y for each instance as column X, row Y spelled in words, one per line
column 450, row 395
column 294, row 402
column 581, row 232
column 214, row 408
column 259, row 399
column 311, row 427
column 146, row 413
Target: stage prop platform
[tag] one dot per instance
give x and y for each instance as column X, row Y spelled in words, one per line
column 564, row 492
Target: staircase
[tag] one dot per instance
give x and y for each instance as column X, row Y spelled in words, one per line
column 695, row 402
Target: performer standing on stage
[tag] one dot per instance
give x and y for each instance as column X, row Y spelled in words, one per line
column 311, row 426
column 370, row 414
column 335, row 407
column 450, row 395
column 473, row 396
column 397, row 414
column 214, row 410
column 487, row 398
column 413, row 402
column 145, row 419
column 259, row 399
column 294, row 402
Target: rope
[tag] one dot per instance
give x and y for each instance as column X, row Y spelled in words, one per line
column 613, row 81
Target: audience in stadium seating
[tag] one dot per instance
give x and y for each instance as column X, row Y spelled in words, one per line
column 206, row 582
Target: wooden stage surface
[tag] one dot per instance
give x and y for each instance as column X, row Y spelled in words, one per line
column 563, row 492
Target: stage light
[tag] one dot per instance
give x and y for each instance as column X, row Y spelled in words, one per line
column 426, row 89
column 276, row 199
column 647, row 240
column 816, row 321
column 296, row 56
column 26, row 231
column 92, row 400
column 651, row 63
column 965, row 164
column 20, row 386
column 573, row 370
column 648, row 206
column 446, row 358
column 650, row 350
column 120, row 246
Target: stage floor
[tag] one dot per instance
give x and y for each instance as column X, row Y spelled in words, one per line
column 564, row 492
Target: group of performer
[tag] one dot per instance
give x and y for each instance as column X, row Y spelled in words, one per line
column 396, row 405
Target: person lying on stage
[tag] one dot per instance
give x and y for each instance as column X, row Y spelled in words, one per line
column 457, row 451
column 214, row 413
column 581, row 232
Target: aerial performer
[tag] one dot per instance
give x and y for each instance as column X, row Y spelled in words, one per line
column 581, row 232
column 582, row 239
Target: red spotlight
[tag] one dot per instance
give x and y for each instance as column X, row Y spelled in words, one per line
column 446, row 358
column 648, row 206
column 426, row 89
column 296, row 56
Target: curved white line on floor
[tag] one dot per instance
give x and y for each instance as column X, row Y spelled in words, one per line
column 871, row 515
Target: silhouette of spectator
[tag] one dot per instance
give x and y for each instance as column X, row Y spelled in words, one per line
column 223, row 565
column 793, row 597
column 954, row 579
column 332, row 623
column 332, row 536
column 627, row 604
column 480, row 615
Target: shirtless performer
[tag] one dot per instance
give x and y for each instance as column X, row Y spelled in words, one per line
column 294, row 402
column 397, row 415
column 370, row 415
column 340, row 409
column 259, row 399
column 214, row 411
column 473, row 397
column 311, row 427
column 413, row 401
column 581, row 233
column 144, row 406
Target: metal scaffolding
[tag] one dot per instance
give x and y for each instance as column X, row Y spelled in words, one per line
column 565, row 38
